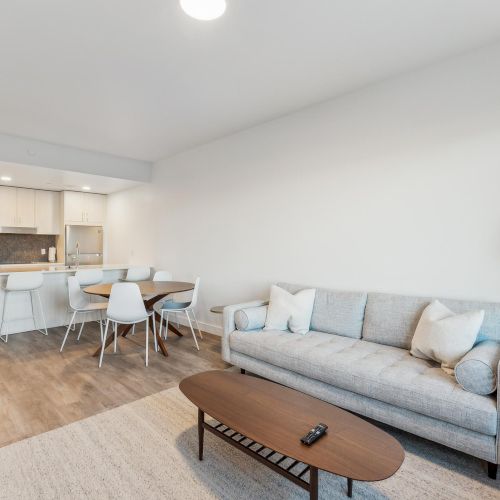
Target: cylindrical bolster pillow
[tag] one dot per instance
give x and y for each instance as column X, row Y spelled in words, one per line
column 477, row 371
column 251, row 318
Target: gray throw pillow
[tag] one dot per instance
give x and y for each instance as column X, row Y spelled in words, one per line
column 477, row 371
column 251, row 318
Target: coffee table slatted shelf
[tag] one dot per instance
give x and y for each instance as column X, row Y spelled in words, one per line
column 293, row 470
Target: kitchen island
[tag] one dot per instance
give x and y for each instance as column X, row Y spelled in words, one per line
column 54, row 294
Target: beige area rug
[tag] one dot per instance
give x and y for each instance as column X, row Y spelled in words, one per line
column 148, row 449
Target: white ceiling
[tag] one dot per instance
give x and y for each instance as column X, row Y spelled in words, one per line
column 143, row 80
column 31, row 176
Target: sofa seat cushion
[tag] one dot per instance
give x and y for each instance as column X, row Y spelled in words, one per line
column 385, row 373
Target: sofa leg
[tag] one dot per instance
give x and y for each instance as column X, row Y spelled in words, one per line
column 492, row 470
column 242, row 371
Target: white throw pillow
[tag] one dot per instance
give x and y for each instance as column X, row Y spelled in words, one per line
column 289, row 311
column 444, row 336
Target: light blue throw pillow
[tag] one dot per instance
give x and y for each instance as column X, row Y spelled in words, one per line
column 251, row 318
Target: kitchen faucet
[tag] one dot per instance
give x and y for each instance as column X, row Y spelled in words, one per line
column 77, row 258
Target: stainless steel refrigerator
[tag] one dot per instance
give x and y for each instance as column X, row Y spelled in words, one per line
column 83, row 245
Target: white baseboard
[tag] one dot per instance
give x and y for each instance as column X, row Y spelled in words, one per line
column 205, row 327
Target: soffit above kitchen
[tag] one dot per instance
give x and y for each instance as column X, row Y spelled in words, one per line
column 51, row 179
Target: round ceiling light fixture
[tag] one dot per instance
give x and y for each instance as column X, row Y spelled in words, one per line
column 204, row 10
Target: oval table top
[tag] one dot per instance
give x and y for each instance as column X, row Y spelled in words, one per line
column 153, row 288
column 277, row 417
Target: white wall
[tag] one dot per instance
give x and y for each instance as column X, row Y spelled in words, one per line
column 391, row 188
column 131, row 227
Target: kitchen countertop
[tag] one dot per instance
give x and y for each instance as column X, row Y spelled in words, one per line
column 53, row 268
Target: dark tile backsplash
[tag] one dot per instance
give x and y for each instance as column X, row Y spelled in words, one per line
column 25, row 248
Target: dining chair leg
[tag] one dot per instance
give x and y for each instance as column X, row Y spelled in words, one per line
column 161, row 321
column 81, row 330
column 197, row 324
column 166, row 326
column 147, row 342
column 101, row 321
column 67, row 331
column 103, row 343
column 154, row 332
column 116, row 336
column 133, row 329
column 192, row 331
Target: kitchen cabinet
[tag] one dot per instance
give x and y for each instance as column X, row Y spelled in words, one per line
column 84, row 208
column 8, row 206
column 17, row 207
column 48, row 212
column 25, row 203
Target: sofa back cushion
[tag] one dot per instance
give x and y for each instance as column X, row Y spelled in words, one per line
column 335, row 311
column 392, row 319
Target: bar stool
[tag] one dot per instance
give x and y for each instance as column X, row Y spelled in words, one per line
column 30, row 283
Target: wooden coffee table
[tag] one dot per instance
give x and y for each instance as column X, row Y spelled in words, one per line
column 267, row 420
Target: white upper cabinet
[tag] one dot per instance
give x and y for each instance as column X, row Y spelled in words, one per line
column 84, row 208
column 73, row 207
column 8, row 206
column 25, row 207
column 95, row 205
column 17, row 207
column 48, row 212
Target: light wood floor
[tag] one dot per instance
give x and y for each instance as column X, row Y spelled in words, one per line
column 42, row 389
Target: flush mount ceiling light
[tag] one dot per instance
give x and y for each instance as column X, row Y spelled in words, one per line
column 86, row 188
column 204, row 10
column 5, row 178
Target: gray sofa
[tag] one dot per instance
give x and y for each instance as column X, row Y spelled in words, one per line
column 357, row 357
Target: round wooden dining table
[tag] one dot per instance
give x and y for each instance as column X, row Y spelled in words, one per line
column 152, row 292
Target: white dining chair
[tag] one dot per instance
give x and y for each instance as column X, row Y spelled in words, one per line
column 165, row 276
column 169, row 306
column 138, row 274
column 80, row 303
column 126, row 307
column 23, row 282
column 158, row 276
column 162, row 276
column 89, row 277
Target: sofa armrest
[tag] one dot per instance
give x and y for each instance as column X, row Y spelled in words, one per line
column 498, row 413
column 229, row 326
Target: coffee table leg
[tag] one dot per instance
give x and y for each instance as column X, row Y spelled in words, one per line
column 201, row 430
column 313, row 483
column 349, row 487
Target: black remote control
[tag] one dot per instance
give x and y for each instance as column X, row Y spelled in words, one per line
column 314, row 434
